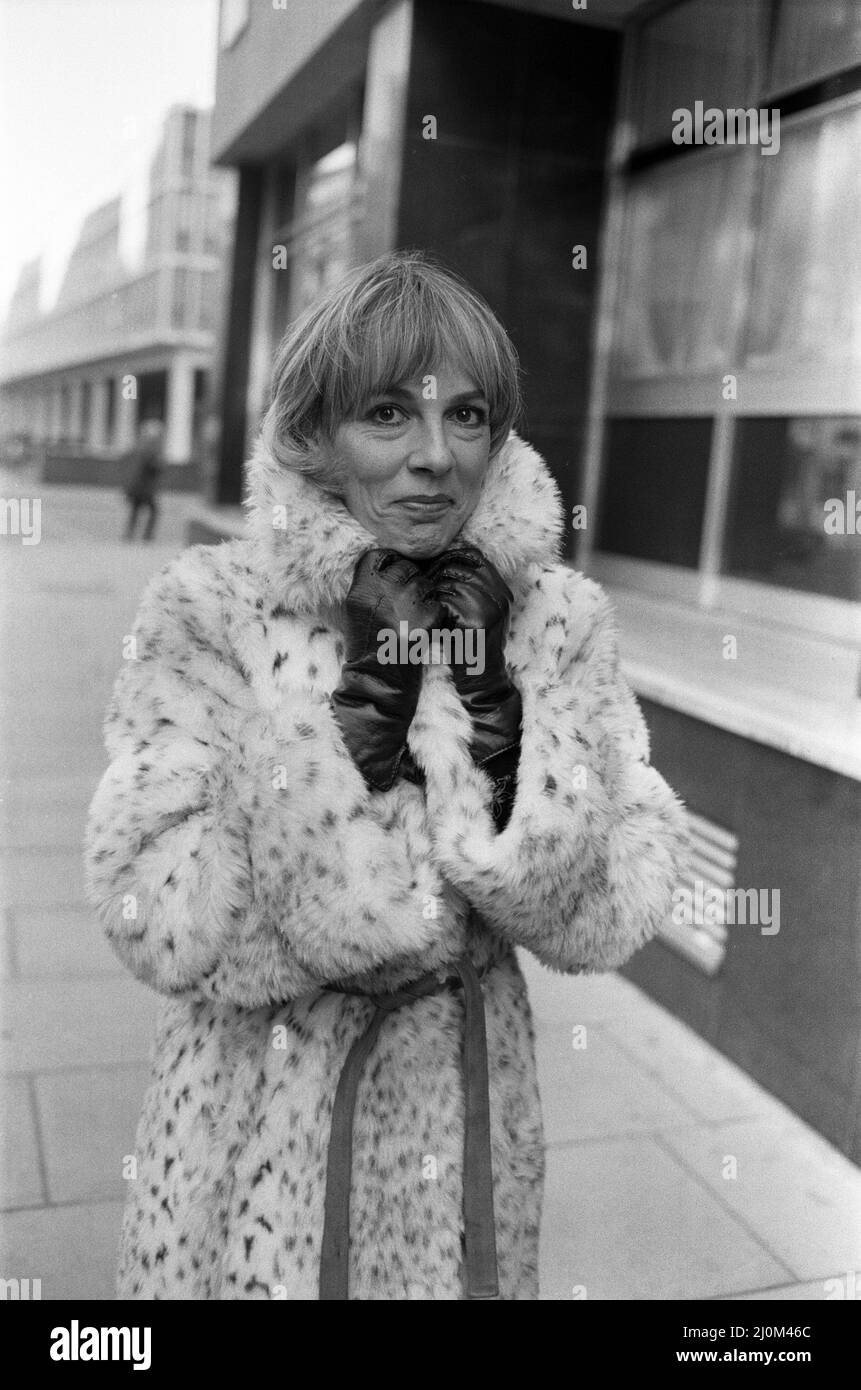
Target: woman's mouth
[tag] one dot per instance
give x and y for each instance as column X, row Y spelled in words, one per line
column 427, row 506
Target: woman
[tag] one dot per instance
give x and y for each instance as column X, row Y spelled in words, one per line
column 300, row 820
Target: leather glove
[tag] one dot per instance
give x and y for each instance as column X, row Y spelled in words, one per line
column 374, row 702
column 473, row 594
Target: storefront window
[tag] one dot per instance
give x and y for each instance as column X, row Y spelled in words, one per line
column 321, row 238
column 806, row 304
column 707, row 50
column 684, row 288
column 814, row 40
column 792, row 517
column 654, row 489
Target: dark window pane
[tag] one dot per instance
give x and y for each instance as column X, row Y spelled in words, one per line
column 784, row 524
column 814, row 40
column 705, row 50
column 654, row 488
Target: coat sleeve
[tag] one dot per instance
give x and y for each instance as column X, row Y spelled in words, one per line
column 583, row 873
column 233, row 852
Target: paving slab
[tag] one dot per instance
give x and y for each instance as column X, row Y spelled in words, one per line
column 88, row 1120
column 21, row 1182
column 42, row 878
column 52, row 1024
column 72, row 1249
column 65, row 942
column 622, row 1220
column 792, row 1189
column 709, row 1084
column 594, row 1090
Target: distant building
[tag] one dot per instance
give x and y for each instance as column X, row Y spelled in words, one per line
column 132, row 332
column 688, row 319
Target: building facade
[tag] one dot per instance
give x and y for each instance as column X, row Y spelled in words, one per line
column 132, row 332
column 661, row 202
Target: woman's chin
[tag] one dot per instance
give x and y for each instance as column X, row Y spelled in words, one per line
column 421, row 542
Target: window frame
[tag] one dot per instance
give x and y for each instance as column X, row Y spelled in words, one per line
column 705, row 587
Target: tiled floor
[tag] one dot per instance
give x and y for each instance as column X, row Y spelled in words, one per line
column 670, row 1173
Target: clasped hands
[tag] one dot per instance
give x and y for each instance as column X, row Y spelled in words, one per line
column 376, row 698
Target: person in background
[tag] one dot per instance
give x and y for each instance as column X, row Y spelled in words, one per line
column 141, row 488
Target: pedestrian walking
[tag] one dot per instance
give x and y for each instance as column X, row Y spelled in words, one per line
column 142, row 487
column 361, row 756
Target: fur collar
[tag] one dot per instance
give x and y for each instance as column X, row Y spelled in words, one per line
column 307, row 542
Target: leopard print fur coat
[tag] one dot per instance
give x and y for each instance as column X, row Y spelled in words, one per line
column 238, row 864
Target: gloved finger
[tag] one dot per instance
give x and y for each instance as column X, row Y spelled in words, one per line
column 469, row 554
column 399, row 569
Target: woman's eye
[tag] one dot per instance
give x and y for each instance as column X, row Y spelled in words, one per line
column 387, row 414
column 470, row 415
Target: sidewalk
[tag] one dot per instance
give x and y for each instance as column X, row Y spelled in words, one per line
column 645, row 1123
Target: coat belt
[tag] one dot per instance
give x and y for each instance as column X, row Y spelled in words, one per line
column 480, row 1268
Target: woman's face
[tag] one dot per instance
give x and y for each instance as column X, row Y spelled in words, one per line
column 414, row 461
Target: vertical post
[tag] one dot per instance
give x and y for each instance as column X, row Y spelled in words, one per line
column 74, row 427
column 228, row 481
column 180, row 409
column 56, row 430
column 98, row 439
column 714, row 519
column 125, row 417
column 381, row 147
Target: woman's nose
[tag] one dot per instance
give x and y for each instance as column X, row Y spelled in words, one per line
column 432, row 451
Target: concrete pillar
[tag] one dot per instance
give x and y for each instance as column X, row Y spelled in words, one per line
column 98, row 439
column 73, row 425
column 180, row 410
column 40, row 414
column 55, row 426
column 228, row 483
column 125, row 416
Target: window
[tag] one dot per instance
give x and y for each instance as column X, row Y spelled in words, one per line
column 654, row 489
column 733, row 433
column 683, row 294
column 184, row 219
column 705, row 48
column 806, row 305
column 179, row 314
column 791, row 516
column 319, row 239
column 815, row 40
column 189, row 140
column 234, row 18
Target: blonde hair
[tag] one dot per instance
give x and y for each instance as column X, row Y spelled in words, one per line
column 384, row 323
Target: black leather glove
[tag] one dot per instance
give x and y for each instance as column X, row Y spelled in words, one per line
column 473, row 594
column 374, row 702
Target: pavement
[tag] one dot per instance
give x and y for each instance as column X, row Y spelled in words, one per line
column 671, row 1174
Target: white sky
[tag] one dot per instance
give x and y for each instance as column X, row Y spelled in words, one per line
column 82, row 86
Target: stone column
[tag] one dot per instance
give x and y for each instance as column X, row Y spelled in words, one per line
column 73, row 427
column 98, row 439
column 125, row 417
column 180, row 410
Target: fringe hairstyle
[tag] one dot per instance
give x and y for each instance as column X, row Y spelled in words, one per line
column 397, row 317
